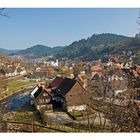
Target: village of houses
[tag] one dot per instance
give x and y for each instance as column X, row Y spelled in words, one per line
column 86, row 93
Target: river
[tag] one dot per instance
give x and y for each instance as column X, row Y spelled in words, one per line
column 16, row 101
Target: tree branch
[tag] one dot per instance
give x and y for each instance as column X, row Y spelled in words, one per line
column 2, row 13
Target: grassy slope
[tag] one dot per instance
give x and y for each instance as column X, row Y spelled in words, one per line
column 15, row 86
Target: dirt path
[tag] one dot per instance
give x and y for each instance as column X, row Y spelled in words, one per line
column 5, row 91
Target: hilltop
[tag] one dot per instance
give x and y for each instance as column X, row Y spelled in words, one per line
column 93, row 47
column 38, row 51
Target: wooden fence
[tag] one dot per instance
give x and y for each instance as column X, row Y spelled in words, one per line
column 31, row 127
column 26, row 127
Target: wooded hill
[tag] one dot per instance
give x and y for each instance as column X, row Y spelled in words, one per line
column 100, row 46
column 95, row 47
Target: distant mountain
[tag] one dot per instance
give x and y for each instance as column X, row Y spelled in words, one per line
column 57, row 48
column 38, row 51
column 7, row 52
column 93, row 47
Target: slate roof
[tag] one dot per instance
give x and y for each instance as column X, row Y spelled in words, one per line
column 65, row 86
column 56, row 82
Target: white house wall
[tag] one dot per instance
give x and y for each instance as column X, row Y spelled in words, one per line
column 78, row 108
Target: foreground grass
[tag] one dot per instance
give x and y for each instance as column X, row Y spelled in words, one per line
column 29, row 117
column 16, row 85
column 27, row 114
column 2, row 90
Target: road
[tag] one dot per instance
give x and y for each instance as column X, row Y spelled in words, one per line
column 57, row 117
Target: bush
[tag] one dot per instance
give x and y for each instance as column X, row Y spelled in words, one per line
column 77, row 113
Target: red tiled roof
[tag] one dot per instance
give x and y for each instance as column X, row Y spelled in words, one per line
column 138, row 71
column 82, row 75
column 135, row 73
column 96, row 68
column 118, row 65
column 48, row 70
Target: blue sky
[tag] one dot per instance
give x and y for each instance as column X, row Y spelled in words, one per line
column 60, row 27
